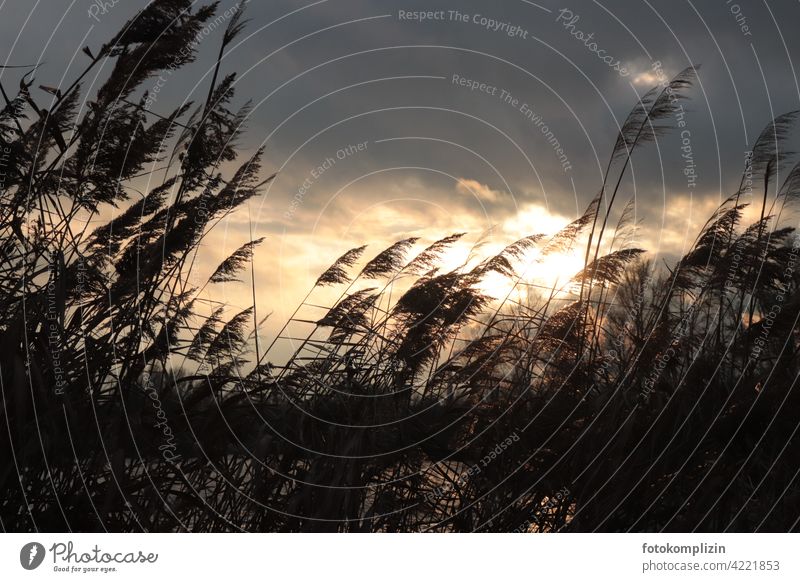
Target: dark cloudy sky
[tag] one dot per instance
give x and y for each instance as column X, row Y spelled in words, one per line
column 437, row 157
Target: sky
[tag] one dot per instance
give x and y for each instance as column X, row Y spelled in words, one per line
column 384, row 123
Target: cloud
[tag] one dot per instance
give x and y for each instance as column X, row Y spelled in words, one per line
column 647, row 78
column 534, row 219
column 479, row 191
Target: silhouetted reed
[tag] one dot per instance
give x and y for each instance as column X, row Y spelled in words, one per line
column 631, row 397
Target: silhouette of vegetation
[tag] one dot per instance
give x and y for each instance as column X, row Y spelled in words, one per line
column 633, row 398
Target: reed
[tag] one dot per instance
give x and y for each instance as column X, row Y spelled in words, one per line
column 633, row 398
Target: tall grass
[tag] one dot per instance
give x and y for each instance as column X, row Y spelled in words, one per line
column 633, row 398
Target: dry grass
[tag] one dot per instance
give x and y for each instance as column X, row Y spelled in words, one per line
column 651, row 399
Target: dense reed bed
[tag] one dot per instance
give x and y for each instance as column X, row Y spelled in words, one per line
column 636, row 397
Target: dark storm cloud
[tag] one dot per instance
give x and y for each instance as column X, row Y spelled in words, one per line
column 366, row 54
column 463, row 97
